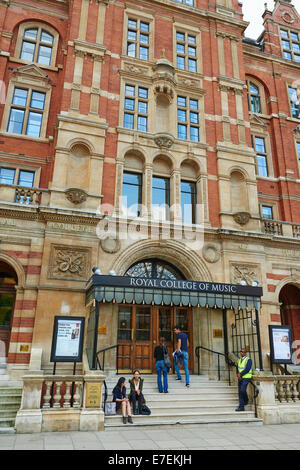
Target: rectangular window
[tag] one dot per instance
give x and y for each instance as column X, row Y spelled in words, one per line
column 187, row 119
column 161, row 198
column 186, row 51
column 267, row 212
column 186, row 2
column 136, row 108
column 294, row 102
column 7, row 175
column 26, row 112
column 132, row 193
column 188, row 202
column 290, row 43
column 258, row 144
column 138, row 40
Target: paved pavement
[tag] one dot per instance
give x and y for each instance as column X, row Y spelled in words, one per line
column 179, row 438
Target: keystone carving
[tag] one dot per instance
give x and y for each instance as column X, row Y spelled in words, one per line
column 164, row 140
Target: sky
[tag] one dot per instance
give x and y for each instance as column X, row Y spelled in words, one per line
column 253, row 11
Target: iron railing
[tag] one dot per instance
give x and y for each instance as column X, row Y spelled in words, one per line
column 103, row 351
column 228, row 361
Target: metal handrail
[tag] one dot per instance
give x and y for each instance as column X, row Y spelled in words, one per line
column 116, row 346
column 228, row 361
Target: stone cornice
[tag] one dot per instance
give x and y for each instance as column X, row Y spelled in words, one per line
column 44, row 214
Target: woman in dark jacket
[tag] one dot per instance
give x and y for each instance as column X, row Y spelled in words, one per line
column 119, row 396
column 136, row 395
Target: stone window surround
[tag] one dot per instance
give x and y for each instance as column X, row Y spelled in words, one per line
column 269, row 204
column 297, row 88
column 32, row 25
column 265, row 135
column 261, row 91
column 17, row 168
column 289, row 31
column 147, row 173
column 31, row 82
column 188, row 29
column 144, row 17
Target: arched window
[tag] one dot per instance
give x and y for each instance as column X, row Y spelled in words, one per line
column 37, row 43
column 37, row 46
column 154, row 269
column 254, row 101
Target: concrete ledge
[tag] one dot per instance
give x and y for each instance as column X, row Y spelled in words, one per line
column 61, row 419
column 28, row 421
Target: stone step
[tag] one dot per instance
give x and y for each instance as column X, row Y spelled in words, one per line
column 179, row 418
column 7, row 422
column 7, row 430
column 9, row 405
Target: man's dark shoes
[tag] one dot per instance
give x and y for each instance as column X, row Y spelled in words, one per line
column 240, row 409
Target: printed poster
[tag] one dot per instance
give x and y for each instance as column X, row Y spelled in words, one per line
column 68, row 338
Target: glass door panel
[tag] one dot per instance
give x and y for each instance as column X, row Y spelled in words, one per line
column 125, row 323
column 142, row 326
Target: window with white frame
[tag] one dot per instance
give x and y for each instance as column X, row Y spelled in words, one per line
column 258, row 143
column 136, row 108
column 294, row 102
column 290, row 44
column 187, row 118
column 186, row 51
column 26, row 112
column 138, row 39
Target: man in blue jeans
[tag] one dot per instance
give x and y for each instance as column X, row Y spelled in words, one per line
column 182, row 347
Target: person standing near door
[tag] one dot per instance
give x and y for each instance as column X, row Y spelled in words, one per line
column 244, row 375
column 182, row 346
column 160, row 365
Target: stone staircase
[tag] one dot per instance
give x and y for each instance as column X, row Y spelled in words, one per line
column 205, row 401
column 10, row 402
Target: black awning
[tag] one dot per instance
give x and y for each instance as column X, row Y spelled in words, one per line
column 125, row 289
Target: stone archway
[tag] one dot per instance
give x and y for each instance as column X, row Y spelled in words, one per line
column 8, row 282
column 289, row 297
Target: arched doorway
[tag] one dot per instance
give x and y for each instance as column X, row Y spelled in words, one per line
column 8, row 281
column 289, row 298
column 140, row 326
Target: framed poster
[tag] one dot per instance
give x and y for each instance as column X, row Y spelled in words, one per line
column 281, row 344
column 67, row 340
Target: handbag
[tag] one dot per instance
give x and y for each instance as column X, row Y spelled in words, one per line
column 167, row 359
column 145, row 410
column 110, row 409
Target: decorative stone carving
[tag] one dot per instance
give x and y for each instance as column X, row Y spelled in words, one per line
column 242, row 218
column 67, row 262
column 244, row 272
column 75, row 195
column 110, row 245
column 211, row 252
column 164, row 140
column 164, row 78
column 287, row 17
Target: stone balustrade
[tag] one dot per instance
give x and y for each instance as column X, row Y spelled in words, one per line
column 62, row 392
column 287, row 388
column 278, row 227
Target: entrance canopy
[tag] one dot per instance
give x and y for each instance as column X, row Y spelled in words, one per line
column 134, row 290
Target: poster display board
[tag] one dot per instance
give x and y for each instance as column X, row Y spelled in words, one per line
column 280, row 344
column 67, row 340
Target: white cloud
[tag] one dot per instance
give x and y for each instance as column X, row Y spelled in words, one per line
column 253, row 11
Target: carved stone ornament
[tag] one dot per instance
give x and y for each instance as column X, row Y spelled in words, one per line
column 164, row 140
column 244, row 272
column 110, row 245
column 287, row 17
column 211, row 252
column 67, row 262
column 75, row 195
column 242, row 218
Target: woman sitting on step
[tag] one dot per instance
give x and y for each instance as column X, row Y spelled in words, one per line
column 119, row 396
column 136, row 395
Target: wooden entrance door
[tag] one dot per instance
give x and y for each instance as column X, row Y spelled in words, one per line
column 166, row 319
column 139, row 330
column 134, row 338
